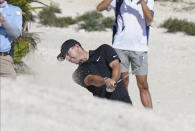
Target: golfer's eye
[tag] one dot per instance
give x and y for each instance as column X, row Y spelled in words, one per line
column 68, row 57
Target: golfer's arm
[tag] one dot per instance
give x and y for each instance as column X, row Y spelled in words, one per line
column 94, row 80
column 116, row 69
column 103, row 5
column 98, row 81
column 147, row 12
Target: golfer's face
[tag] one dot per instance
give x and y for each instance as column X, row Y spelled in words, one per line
column 73, row 55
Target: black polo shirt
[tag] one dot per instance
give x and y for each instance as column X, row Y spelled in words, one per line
column 98, row 64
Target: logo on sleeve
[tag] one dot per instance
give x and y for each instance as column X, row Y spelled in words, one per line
column 98, row 59
column 18, row 13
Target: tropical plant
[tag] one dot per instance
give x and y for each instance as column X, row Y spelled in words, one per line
column 27, row 9
column 23, row 45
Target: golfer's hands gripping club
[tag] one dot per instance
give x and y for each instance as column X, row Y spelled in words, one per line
column 110, row 84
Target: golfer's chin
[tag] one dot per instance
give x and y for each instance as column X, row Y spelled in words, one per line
column 76, row 62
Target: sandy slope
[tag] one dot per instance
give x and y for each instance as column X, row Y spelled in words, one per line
column 50, row 100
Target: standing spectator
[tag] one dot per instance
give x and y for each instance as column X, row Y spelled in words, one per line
column 10, row 28
column 130, row 39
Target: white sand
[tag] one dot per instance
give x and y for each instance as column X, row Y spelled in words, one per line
column 49, row 100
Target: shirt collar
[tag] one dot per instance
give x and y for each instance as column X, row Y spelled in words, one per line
column 91, row 53
column 92, row 56
column 3, row 5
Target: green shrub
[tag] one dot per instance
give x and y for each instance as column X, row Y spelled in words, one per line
column 170, row 0
column 90, row 21
column 108, row 22
column 91, row 15
column 65, row 21
column 94, row 21
column 175, row 25
column 47, row 16
column 93, row 25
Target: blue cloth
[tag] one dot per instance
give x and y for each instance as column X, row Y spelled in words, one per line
column 13, row 27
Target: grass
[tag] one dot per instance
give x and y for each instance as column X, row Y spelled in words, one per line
column 176, row 25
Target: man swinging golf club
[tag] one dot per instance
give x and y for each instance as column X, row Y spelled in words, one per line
column 98, row 70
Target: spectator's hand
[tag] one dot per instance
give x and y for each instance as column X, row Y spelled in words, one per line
column 110, row 83
column 141, row 1
column 1, row 17
column 2, row 21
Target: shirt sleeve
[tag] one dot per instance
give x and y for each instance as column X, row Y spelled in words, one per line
column 109, row 53
column 112, row 5
column 13, row 26
column 18, row 19
column 79, row 76
column 150, row 4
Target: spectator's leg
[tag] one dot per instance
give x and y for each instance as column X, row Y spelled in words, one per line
column 6, row 67
column 126, row 80
column 144, row 91
column 125, row 63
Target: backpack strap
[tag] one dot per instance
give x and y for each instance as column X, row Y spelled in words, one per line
column 117, row 12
